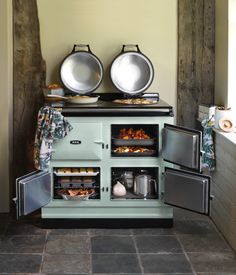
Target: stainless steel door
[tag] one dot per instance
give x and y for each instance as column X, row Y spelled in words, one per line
column 33, row 191
column 181, row 146
column 84, row 142
column 187, row 190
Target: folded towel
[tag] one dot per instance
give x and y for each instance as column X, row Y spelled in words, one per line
column 208, row 159
column 51, row 125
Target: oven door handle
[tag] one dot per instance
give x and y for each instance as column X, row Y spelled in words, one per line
column 100, row 142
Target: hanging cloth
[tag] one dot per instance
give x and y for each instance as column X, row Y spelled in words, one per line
column 51, row 125
column 208, row 159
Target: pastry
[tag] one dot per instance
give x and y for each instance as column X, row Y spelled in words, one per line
column 87, row 179
column 82, row 170
column 90, row 170
column 75, row 170
column 76, row 179
column 65, row 180
column 67, row 170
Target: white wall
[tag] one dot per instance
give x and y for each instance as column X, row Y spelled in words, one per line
column 5, row 100
column 106, row 25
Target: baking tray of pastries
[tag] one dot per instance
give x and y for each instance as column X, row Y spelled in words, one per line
column 76, row 172
column 76, row 180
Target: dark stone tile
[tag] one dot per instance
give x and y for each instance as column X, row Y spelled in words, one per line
column 116, row 273
column 112, row 244
column 25, row 228
column 153, row 231
column 169, row 273
column 79, row 231
column 67, row 264
column 194, row 227
column 115, row 263
column 165, row 263
column 182, row 214
column 5, row 217
column 67, row 244
column 204, row 243
column 3, row 226
column 156, row 244
column 213, row 262
column 216, row 273
column 108, row 231
column 22, row 244
column 20, row 263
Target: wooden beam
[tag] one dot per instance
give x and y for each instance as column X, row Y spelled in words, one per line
column 28, row 81
column 196, row 55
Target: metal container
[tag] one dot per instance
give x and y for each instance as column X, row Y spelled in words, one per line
column 144, row 185
column 128, row 179
column 81, row 71
column 131, row 71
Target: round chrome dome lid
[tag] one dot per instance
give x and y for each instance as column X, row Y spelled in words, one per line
column 132, row 72
column 81, row 72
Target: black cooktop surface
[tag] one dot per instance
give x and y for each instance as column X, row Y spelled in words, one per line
column 106, row 106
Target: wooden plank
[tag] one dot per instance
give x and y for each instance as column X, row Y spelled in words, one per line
column 221, row 219
column 225, row 201
column 226, row 186
column 227, row 174
column 195, row 58
column 226, row 144
column 225, row 157
column 28, row 81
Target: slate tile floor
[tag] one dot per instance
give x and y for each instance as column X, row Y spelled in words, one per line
column 192, row 246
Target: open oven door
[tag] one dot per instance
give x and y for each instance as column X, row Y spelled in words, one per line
column 187, row 190
column 33, row 191
column 182, row 146
column 185, row 187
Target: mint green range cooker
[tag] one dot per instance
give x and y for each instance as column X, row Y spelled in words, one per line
column 120, row 166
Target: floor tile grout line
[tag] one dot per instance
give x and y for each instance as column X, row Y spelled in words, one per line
column 90, row 252
column 186, row 255
column 137, row 253
column 44, row 251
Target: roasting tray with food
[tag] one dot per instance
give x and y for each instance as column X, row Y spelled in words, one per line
column 76, row 194
column 64, row 172
column 132, row 137
column 133, row 151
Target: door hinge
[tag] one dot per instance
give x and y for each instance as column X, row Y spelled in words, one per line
column 15, row 200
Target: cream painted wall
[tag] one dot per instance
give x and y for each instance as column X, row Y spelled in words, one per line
column 5, row 100
column 106, row 25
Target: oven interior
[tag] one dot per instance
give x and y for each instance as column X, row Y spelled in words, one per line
column 81, row 179
column 134, row 140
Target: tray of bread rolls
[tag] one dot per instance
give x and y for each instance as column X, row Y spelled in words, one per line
column 66, row 172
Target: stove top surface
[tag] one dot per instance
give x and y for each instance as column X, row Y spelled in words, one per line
column 105, row 104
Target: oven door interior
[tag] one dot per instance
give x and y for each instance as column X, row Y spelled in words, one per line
column 33, row 191
column 182, row 146
column 187, row 190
